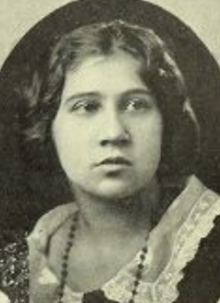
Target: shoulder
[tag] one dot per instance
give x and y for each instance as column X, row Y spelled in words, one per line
column 49, row 223
column 38, row 245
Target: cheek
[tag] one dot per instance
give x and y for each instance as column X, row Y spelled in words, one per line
column 68, row 135
column 70, row 149
column 148, row 136
column 73, row 144
column 148, row 153
column 150, row 149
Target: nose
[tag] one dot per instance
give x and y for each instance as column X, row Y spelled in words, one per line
column 114, row 131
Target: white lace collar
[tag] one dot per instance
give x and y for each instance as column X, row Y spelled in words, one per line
column 187, row 231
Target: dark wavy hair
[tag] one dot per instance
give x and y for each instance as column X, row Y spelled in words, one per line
column 159, row 71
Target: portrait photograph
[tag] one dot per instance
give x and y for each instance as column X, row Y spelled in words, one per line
column 110, row 151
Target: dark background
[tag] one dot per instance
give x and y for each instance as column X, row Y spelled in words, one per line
column 23, row 197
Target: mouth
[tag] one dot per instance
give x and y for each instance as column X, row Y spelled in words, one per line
column 115, row 161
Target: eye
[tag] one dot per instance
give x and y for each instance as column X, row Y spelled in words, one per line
column 85, row 106
column 138, row 104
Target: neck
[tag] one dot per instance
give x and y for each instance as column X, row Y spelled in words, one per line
column 116, row 216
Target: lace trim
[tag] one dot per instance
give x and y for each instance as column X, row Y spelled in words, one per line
column 198, row 225
column 118, row 288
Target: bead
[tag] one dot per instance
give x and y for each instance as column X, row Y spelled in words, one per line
column 139, row 275
column 72, row 230
column 140, row 266
column 69, row 244
column 134, row 292
column 65, row 257
column 65, row 265
column 72, row 234
column 142, row 257
column 144, row 249
column 64, row 272
column 136, row 283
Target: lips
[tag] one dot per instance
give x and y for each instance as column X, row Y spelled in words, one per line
column 116, row 161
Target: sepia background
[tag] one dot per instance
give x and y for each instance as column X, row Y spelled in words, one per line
column 18, row 17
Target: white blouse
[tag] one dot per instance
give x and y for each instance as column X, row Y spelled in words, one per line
column 188, row 220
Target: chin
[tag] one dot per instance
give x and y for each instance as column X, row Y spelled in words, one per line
column 116, row 192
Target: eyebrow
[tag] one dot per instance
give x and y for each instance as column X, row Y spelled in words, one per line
column 81, row 95
column 135, row 91
column 138, row 91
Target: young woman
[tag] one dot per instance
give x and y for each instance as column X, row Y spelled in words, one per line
column 113, row 109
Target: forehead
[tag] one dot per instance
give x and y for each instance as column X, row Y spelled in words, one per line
column 115, row 72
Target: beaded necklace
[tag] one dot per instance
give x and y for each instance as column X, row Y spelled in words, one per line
column 65, row 260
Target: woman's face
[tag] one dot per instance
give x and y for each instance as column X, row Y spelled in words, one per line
column 108, row 128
